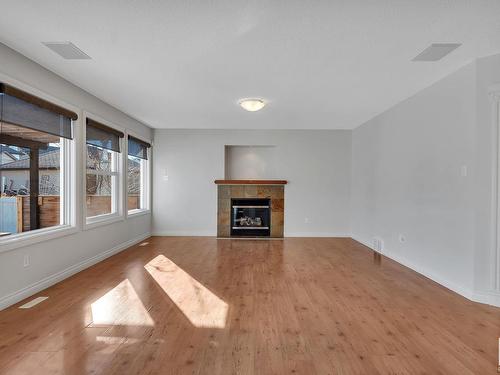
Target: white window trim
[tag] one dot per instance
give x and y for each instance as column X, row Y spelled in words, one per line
column 68, row 192
column 117, row 197
column 146, row 181
column 100, row 220
column 9, row 243
column 138, row 212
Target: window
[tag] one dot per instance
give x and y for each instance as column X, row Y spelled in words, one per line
column 36, row 139
column 137, row 174
column 103, row 171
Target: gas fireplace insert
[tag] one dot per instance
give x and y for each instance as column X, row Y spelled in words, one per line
column 250, row 217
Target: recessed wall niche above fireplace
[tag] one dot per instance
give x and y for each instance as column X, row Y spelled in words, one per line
column 250, row 208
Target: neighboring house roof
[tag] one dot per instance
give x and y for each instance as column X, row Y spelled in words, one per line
column 50, row 160
column 11, row 150
column 47, row 160
column 9, row 154
column 6, row 157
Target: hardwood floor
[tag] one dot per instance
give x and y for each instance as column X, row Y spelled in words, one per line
column 183, row 305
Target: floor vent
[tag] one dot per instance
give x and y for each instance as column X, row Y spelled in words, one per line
column 33, row 302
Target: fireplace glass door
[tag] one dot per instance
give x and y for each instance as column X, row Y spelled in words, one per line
column 250, row 217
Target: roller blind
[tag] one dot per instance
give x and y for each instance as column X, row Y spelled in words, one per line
column 103, row 136
column 138, row 148
column 19, row 108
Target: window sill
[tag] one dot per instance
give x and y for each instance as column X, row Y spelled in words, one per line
column 15, row 241
column 135, row 213
column 101, row 220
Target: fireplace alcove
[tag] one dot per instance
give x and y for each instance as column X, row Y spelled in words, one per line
column 258, row 165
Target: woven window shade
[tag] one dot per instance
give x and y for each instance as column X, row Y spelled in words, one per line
column 103, row 136
column 19, row 108
column 138, row 148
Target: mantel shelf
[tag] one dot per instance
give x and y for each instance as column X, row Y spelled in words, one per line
column 251, row 182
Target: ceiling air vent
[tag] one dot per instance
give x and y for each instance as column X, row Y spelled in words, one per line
column 436, row 51
column 67, row 50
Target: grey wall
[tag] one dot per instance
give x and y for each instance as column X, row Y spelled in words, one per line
column 485, row 140
column 53, row 259
column 423, row 170
column 251, row 162
column 317, row 165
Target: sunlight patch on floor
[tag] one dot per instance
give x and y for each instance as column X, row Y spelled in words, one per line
column 120, row 306
column 200, row 306
column 112, row 340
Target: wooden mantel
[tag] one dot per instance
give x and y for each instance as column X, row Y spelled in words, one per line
column 251, row 182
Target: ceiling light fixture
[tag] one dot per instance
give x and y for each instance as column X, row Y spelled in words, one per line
column 252, row 104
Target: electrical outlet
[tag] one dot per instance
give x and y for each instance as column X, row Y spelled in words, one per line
column 307, row 220
column 463, row 171
column 27, row 260
column 402, row 238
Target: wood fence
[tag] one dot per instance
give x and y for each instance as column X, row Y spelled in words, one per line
column 49, row 209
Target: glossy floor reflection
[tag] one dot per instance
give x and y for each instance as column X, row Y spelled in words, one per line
column 120, row 306
column 200, row 306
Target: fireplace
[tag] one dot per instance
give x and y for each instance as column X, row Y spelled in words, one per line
column 251, row 217
column 237, row 218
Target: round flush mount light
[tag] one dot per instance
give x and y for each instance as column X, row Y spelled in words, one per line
column 252, row 104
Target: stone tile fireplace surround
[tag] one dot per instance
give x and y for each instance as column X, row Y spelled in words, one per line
column 241, row 189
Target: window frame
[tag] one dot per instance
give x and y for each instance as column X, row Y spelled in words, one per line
column 69, row 186
column 145, row 180
column 117, row 213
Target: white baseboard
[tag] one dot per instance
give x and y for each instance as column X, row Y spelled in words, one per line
column 25, row 292
column 185, row 233
column 317, row 234
column 487, row 297
column 490, row 298
column 203, row 233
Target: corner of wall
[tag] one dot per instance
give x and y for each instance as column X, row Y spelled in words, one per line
column 488, row 297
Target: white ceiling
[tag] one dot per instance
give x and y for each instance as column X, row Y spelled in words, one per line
column 184, row 64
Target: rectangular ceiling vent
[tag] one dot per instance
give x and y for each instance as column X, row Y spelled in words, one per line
column 436, row 51
column 67, row 50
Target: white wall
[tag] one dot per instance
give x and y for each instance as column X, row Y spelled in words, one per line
column 317, row 165
column 55, row 259
column 408, row 179
column 487, row 75
column 251, row 162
